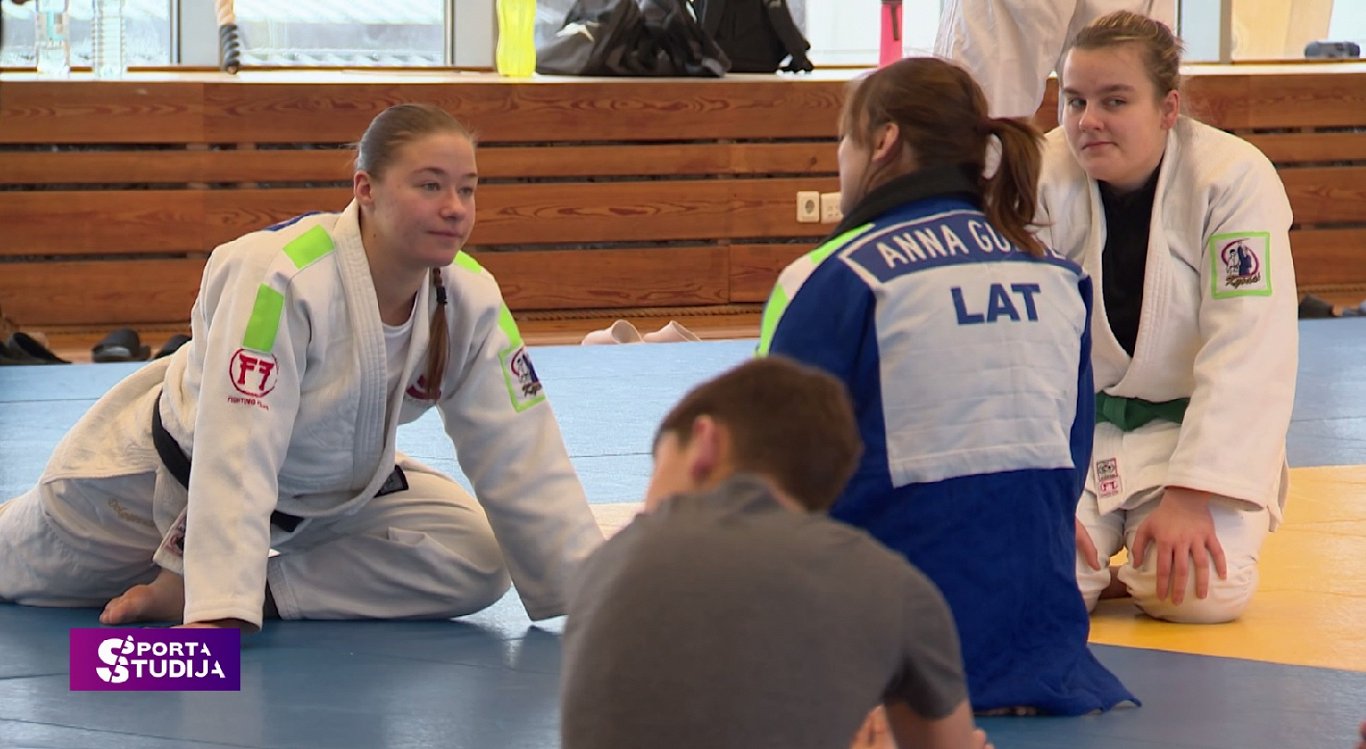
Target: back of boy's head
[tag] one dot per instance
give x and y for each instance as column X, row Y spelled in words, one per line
column 788, row 422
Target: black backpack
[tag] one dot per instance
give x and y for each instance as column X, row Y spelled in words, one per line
column 631, row 37
column 757, row 35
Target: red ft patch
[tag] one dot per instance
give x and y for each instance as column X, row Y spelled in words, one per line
column 253, row 373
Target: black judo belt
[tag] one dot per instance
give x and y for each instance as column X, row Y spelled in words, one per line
column 178, row 463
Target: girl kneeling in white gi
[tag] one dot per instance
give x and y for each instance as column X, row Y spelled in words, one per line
column 1195, row 338
column 274, row 428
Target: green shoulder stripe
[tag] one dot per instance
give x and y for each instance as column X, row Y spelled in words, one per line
column 780, row 297
column 307, row 248
column 265, row 320
column 509, row 327
column 465, row 260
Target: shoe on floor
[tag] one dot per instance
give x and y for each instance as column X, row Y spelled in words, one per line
column 172, row 345
column 20, row 342
column 1312, row 308
column 620, row 331
column 120, row 345
column 674, row 332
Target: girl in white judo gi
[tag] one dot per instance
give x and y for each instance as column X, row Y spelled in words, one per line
column 274, row 429
column 1185, row 228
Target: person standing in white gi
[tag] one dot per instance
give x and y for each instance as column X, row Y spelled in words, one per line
column 1010, row 46
column 1195, row 342
column 274, row 429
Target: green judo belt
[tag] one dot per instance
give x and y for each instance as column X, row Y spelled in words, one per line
column 1131, row 413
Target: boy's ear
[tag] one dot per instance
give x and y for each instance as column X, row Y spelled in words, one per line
column 706, row 448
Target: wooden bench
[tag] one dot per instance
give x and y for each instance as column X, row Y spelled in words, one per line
column 600, row 198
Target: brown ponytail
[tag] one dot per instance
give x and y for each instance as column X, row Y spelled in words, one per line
column 941, row 118
column 437, row 339
column 1011, row 194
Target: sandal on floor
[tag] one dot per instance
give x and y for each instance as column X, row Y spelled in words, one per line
column 171, row 345
column 120, row 345
column 12, row 357
column 1312, row 307
column 21, row 345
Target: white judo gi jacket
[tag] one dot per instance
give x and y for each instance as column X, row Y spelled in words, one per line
column 1218, row 322
column 281, row 404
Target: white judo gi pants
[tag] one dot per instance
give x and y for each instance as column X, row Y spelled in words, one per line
column 1010, row 46
column 424, row 552
column 1241, row 528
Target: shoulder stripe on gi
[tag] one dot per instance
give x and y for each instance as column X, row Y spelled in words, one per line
column 465, row 260
column 781, row 296
column 265, row 319
column 509, row 327
column 307, row 248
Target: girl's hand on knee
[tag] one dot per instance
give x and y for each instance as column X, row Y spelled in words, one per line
column 1086, row 548
column 1182, row 531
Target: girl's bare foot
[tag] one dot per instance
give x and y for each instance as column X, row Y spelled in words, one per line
column 162, row 600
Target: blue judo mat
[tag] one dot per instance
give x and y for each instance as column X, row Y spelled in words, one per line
column 490, row 680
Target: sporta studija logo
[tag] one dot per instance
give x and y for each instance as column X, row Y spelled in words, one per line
column 160, row 660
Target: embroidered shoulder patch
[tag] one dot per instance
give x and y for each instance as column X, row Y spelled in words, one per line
column 1240, row 264
column 524, row 387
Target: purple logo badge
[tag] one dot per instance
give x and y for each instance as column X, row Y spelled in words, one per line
column 156, row 660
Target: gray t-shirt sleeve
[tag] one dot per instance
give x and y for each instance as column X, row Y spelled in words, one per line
column 931, row 678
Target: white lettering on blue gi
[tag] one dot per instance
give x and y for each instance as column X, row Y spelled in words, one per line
column 920, row 244
column 988, row 239
column 999, row 304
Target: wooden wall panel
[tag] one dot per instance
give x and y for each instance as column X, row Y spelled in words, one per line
column 525, row 215
column 108, row 293
column 1330, row 96
column 1290, row 148
column 754, row 268
column 594, row 279
column 335, row 165
column 517, row 214
column 231, row 213
column 685, row 188
column 686, row 159
column 132, row 221
column 166, row 167
column 1326, row 257
column 101, row 222
column 565, row 109
column 103, row 112
column 1327, row 194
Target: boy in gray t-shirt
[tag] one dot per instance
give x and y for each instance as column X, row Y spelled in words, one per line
column 733, row 613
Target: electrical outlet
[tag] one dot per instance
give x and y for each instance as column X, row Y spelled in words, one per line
column 830, row 208
column 808, row 207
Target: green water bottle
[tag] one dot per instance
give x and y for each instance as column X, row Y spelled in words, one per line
column 516, row 38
